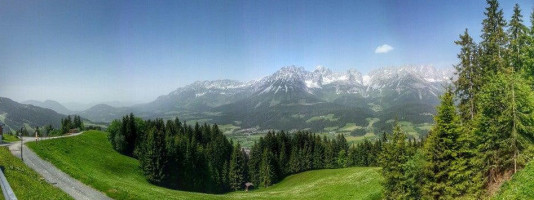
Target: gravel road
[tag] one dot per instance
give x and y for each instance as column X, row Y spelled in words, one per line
column 53, row 175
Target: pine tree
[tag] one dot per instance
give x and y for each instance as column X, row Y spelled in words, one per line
column 318, row 153
column 267, row 169
column 342, row 159
column 254, row 163
column 527, row 52
column 153, row 160
column 413, row 179
column 294, row 161
column 442, row 149
column 283, row 159
column 392, row 158
column 518, row 38
column 494, row 40
column 505, row 123
column 468, row 82
column 237, row 171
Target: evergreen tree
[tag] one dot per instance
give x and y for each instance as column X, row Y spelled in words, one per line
column 153, row 160
column 494, row 40
column 505, row 123
column 254, row 163
column 318, row 154
column 442, row 150
column 518, row 38
column 236, row 174
column 283, row 159
column 527, row 52
column 468, row 82
column 267, row 169
column 413, row 179
column 342, row 159
column 392, row 158
column 294, row 161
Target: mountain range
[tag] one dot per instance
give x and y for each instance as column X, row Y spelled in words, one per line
column 291, row 98
column 294, row 98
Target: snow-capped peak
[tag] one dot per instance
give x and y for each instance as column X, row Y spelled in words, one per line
column 293, row 78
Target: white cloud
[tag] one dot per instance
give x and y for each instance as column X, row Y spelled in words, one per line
column 383, row 48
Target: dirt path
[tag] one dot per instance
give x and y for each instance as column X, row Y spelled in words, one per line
column 53, row 175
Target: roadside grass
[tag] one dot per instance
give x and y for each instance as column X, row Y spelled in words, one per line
column 25, row 182
column 9, row 138
column 90, row 159
column 521, row 186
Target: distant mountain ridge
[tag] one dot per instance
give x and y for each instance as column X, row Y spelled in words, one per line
column 16, row 115
column 291, row 97
column 54, row 105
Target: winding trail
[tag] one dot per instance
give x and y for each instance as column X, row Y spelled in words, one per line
column 53, row 175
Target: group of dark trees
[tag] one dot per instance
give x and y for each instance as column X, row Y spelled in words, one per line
column 278, row 155
column 180, row 156
column 483, row 130
column 69, row 123
column 200, row 158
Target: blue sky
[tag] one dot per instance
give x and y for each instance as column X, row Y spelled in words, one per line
column 134, row 51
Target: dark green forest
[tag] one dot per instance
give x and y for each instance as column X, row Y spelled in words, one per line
column 200, row 158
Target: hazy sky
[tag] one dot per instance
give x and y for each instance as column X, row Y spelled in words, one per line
column 90, row 51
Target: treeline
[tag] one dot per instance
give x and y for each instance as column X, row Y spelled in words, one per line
column 69, row 123
column 485, row 138
column 177, row 155
column 278, row 155
column 200, row 158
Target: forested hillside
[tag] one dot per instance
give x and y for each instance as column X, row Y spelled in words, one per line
column 200, row 158
column 487, row 137
column 16, row 115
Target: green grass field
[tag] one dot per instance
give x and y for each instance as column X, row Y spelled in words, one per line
column 90, row 159
column 26, row 183
column 9, row 138
column 520, row 187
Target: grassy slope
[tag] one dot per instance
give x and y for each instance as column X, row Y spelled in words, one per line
column 348, row 183
column 90, row 159
column 26, row 183
column 520, row 187
column 9, row 138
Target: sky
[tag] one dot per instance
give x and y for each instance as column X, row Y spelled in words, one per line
column 135, row 51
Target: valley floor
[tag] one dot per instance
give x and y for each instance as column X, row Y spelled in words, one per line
column 90, row 159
